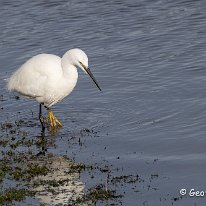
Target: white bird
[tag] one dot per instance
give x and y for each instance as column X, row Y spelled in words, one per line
column 47, row 78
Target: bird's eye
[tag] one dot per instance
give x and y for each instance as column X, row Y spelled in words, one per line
column 82, row 65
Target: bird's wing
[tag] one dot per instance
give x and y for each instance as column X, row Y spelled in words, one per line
column 33, row 77
column 27, row 83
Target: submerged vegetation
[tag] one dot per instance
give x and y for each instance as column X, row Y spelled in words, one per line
column 13, row 194
column 28, row 171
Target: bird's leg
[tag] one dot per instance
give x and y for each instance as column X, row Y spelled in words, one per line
column 41, row 119
column 54, row 122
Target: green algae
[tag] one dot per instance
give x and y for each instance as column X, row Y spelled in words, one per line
column 23, row 167
column 13, row 194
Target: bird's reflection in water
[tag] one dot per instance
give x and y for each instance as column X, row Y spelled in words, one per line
column 43, row 142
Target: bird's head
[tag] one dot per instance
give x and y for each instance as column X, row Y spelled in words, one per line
column 79, row 59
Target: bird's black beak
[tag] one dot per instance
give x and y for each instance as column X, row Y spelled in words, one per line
column 88, row 71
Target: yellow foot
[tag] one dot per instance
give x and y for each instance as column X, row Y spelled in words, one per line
column 54, row 122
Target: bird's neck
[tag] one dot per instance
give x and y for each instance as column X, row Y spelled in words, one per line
column 69, row 70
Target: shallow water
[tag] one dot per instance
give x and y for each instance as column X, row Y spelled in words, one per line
column 149, row 59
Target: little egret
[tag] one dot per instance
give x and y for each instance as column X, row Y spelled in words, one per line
column 47, row 78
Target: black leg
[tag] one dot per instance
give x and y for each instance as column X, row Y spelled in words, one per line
column 41, row 119
column 47, row 108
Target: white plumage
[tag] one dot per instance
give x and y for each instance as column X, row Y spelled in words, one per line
column 47, row 78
